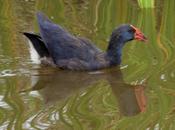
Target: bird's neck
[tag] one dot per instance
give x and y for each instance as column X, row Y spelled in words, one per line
column 114, row 50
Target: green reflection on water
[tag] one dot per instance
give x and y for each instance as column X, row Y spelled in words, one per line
column 44, row 98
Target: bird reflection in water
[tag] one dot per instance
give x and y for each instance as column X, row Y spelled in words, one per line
column 58, row 85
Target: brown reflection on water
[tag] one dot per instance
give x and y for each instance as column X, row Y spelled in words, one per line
column 56, row 86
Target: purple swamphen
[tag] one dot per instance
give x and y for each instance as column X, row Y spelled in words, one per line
column 57, row 47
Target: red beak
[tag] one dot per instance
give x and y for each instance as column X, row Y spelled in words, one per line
column 138, row 35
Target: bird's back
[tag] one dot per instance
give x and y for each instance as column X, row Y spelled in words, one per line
column 66, row 50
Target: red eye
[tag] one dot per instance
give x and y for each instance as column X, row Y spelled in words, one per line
column 131, row 30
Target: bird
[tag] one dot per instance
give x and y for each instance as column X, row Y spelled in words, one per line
column 59, row 48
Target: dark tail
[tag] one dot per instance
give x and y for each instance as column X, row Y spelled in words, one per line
column 38, row 44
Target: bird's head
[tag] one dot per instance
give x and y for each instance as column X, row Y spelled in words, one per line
column 128, row 32
column 119, row 37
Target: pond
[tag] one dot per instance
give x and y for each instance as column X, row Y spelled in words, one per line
column 138, row 95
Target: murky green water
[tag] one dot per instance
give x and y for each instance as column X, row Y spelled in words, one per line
column 138, row 96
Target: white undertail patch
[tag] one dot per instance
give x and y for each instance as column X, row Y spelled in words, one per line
column 35, row 58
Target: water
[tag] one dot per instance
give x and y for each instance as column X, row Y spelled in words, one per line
column 140, row 95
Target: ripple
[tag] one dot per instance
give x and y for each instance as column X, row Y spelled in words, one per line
column 18, row 72
column 7, row 73
column 54, row 117
column 4, row 126
column 3, row 104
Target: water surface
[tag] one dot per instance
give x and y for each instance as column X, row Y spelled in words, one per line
column 138, row 95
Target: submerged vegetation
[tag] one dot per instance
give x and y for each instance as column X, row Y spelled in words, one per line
column 146, row 3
